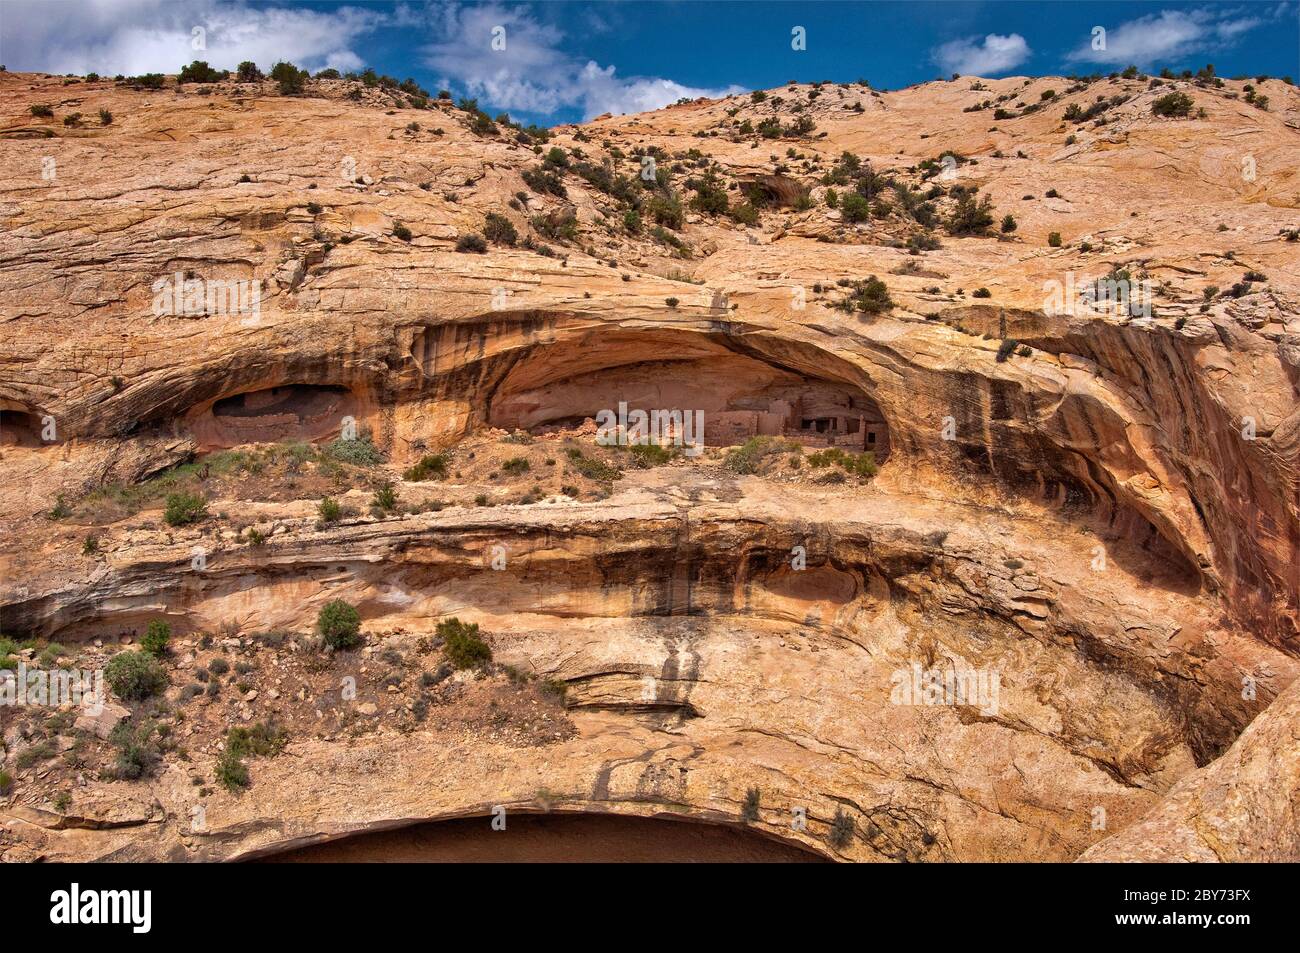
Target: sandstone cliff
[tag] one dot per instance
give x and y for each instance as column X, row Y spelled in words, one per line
column 1102, row 508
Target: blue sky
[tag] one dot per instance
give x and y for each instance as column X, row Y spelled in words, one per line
column 566, row 61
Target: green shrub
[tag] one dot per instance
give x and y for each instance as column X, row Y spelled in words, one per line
column 1054, row 239
column 841, row 830
column 6, row 782
column 247, row 72
column 1008, row 224
column 34, row 754
column 461, row 641
column 291, row 79
column 661, row 234
column 147, row 80
column 647, row 455
column 184, row 508
column 554, row 688
column 499, row 230
column 156, row 638
column 200, row 72
column 385, row 497
column 50, row 654
column 971, row 217
column 558, row 226
column 666, row 210
column 134, row 675
column 544, row 181
column 41, row 110
column 749, row 456
column 339, row 625
column 591, row 468
column 232, row 773
column 218, row 666
column 471, row 242
column 431, row 466
column 137, row 751
column 263, row 740
column 710, row 194
column 516, row 466
column 401, row 232
column 105, row 117
column 855, row 208
column 329, row 510
column 870, row 296
column 862, row 465
column 358, row 451
column 1176, row 105
column 981, row 293
column 1005, row 348
column 749, row 811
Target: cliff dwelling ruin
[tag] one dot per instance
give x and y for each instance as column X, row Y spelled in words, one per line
column 563, row 385
column 302, row 412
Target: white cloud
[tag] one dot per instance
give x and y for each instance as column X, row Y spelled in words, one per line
column 533, row 73
column 603, row 92
column 986, row 57
column 1168, row 36
column 155, row 36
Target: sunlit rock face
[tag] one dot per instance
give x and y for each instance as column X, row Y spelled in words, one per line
column 1052, row 616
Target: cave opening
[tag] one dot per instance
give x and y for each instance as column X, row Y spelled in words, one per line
column 300, row 400
column 562, row 385
column 19, row 428
column 555, row 838
column 307, row 412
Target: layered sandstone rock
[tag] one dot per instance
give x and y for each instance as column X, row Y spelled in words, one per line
column 1110, row 520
